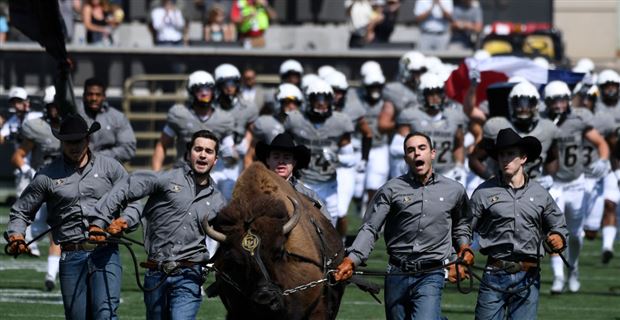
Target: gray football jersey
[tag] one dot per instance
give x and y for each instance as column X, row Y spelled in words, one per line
column 570, row 144
column 46, row 146
column 613, row 111
column 372, row 117
column 603, row 121
column 545, row 131
column 185, row 123
column 441, row 131
column 456, row 111
column 353, row 108
column 243, row 113
column 400, row 95
column 322, row 141
column 265, row 128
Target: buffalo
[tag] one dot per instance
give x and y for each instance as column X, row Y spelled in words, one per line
column 273, row 239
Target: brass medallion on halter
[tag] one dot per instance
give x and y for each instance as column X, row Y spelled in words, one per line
column 250, row 242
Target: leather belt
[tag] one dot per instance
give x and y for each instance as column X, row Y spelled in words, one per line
column 82, row 246
column 167, row 266
column 414, row 266
column 512, row 266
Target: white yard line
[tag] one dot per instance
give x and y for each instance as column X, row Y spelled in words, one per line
column 16, row 264
column 19, row 316
column 30, row 296
column 470, row 307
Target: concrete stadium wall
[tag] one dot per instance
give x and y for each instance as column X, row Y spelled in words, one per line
column 590, row 28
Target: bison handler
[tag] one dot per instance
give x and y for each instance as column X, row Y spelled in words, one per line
column 180, row 199
column 512, row 213
column 90, row 274
column 286, row 159
column 426, row 221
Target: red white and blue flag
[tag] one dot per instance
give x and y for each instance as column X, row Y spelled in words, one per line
column 500, row 69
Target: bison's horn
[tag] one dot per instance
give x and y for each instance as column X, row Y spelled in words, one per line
column 292, row 222
column 212, row 233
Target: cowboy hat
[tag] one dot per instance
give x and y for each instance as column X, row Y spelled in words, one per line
column 73, row 127
column 284, row 142
column 507, row 138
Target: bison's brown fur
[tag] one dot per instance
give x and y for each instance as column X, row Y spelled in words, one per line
column 260, row 203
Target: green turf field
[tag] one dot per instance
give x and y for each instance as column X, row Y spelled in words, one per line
column 22, row 294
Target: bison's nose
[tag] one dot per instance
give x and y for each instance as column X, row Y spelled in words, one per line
column 269, row 296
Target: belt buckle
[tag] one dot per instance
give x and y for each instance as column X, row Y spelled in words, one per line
column 412, row 266
column 511, row 266
column 87, row 246
column 169, row 267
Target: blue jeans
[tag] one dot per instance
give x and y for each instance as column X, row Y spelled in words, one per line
column 90, row 282
column 178, row 297
column 413, row 297
column 522, row 305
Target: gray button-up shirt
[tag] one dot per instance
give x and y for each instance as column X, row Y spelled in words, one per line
column 115, row 138
column 69, row 194
column 422, row 222
column 511, row 222
column 311, row 194
column 173, row 212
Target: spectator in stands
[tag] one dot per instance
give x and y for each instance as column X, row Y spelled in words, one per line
column 4, row 22
column 362, row 21
column 434, row 17
column 250, row 91
column 169, row 25
column 68, row 9
column 466, row 23
column 99, row 22
column 383, row 30
column 216, row 29
column 252, row 18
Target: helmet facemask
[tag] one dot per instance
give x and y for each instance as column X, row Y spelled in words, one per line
column 373, row 92
column 288, row 105
column 202, row 95
column 340, row 98
column 227, row 89
column 412, row 77
column 523, row 112
column 320, row 107
column 610, row 93
column 557, row 106
column 433, row 100
column 292, row 77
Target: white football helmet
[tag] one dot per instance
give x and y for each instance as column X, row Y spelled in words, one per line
column 319, row 87
column 370, row 66
column 523, row 105
column 555, row 89
column 199, row 78
column 412, row 61
column 325, row 70
column 430, row 81
column 307, row 79
column 373, row 78
column 226, row 71
column 584, row 65
column 337, row 80
column 608, row 76
column 289, row 91
column 291, row 65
